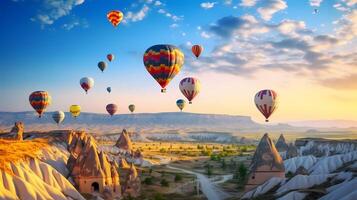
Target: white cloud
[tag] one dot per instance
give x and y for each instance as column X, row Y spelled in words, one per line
column 208, row 5
column 158, row 3
column 315, row 3
column 205, row 35
column 248, row 3
column 270, row 8
column 55, row 9
column 350, row 2
column 228, row 2
column 174, row 25
column 138, row 16
column 175, row 18
column 291, row 28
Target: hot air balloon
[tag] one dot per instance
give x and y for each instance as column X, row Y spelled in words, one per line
column 109, row 89
column 87, row 83
column 181, row 104
column 266, row 102
column 110, row 57
column 132, row 108
column 102, row 65
column 39, row 100
column 163, row 62
column 75, row 110
column 190, row 87
column 115, row 17
column 197, row 50
column 58, row 116
column 112, row 109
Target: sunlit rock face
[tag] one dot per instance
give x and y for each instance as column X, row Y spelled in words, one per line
column 266, row 163
column 16, row 132
column 91, row 170
column 132, row 185
column 124, row 141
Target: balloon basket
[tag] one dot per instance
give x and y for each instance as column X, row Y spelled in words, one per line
column 190, row 102
column 163, row 90
column 267, row 120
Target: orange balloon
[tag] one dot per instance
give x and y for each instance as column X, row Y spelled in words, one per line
column 115, row 17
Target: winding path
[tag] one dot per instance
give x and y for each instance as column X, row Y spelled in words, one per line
column 208, row 188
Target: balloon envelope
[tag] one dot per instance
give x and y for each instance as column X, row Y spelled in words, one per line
column 110, row 57
column 75, row 110
column 181, row 104
column 39, row 101
column 132, row 108
column 109, row 89
column 163, row 62
column 266, row 101
column 115, row 17
column 112, row 109
column 58, row 116
column 190, row 87
column 197, row 50
column 102, row 65
column 86, row 83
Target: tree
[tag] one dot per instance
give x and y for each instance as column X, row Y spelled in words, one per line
column 148, row 181
column 158, row 196
column 241, row 175
column 209, row 170
column 224, row 165
column 178, row 177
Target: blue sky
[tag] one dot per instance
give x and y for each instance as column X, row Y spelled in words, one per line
column 51, row 44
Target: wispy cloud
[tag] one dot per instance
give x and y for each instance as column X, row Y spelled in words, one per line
column 315, row 2
column 51, row 10
column 270, row 7
column 208, row 5
column 248, row 3
column 136, row 16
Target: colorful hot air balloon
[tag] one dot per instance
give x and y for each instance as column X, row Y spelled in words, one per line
column 163, row 62
column 132, row 108
column 58, row 116
column 197, row 50
column 115, row 17
column 39, row 100
column 181, row 104
column 87, row 83
column 75, row 110
column 110, row 57
column 266, row 102
column 112, row 109
column 190, row 87
column 102, row 65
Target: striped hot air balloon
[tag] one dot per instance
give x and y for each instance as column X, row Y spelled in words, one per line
column 112, row 109
column 58, row 116
column 115, row 17
column 86, row 83
column 190, row 87
column 181, row 104
column 39, row 100
column 266, row 102
column 163, row 62
column 197, row 50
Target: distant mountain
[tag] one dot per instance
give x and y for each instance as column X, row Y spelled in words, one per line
column 141, row 121
column 325, row 123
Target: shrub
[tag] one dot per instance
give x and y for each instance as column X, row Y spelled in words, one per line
column 148, row 181
column 164, row 183
column 178, row 177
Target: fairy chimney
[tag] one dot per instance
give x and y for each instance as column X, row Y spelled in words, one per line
column 266, row 163
column 132, row 184
column 91, row 170
column 123, row 164
column 292, row 151
column 17, row 131
column 281, row 144
column 124, row 141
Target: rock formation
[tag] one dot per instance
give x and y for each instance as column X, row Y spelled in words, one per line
column 292, row 151
column 281, row 144
column 123, row 164
column 132, row 184
column 91, row 170
column 16, row 132
column 266, row 163
column 124, row 141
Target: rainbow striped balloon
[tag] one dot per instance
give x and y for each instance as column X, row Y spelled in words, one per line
column 39, row 101
column 163, row 62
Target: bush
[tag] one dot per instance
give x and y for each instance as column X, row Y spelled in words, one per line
column 148, row 181
column 164, row 183
column 158, row 196
column 244, row 149
column 178, row 177
column 163, row 150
